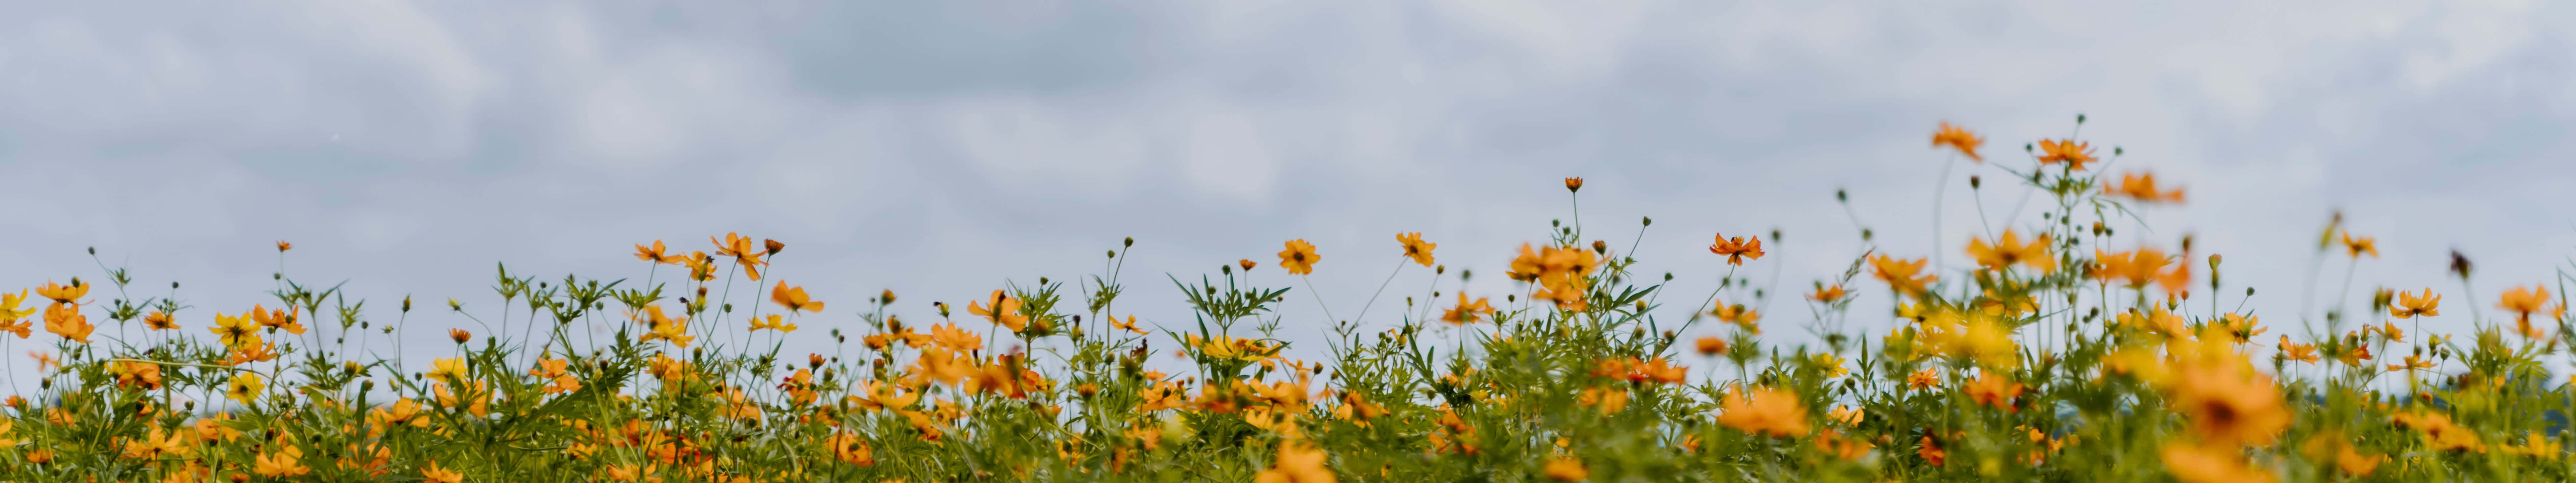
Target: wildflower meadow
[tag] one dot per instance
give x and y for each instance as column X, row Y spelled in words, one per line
column 2073, row 350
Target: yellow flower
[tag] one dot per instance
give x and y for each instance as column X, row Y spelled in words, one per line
column 10, row 313
column 244, row 387
column 772, row 322
column 1832, row 366
column 1004, row 311
column 286, row 461
column 64, row 294
column 1299, row 258
column 2074, row 154
column 1960, row 139
column 1126, row 325
column 1923, row 379
column 794, row 298
column 2410, row 305
column 848, row 448
column 664, row 327
column 2356, row 464
column 1774, row 412
column 449, row 370
column 1415, row 248
column 2009, row 249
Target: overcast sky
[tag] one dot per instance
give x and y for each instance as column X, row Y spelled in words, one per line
column 939, row 149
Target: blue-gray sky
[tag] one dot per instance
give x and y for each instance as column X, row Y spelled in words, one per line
column 941, row 148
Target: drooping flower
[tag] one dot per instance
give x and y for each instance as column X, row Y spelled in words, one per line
column 2355, row 247
column 772, row 322
column 285, row 320
column 1299, row 258
column 2137, row 267
column 1415, row 248
column 794, row 298
column 1958, row 138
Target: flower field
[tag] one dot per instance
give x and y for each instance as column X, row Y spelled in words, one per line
column 2068, row 353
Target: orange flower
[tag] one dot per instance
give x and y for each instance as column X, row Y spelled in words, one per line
column 1005, row 311
column 1299, row 258
column 1247, row 264
column 2142, row 187
column 1566, row 469
column 66, row 320
column 1711, row 345
column 1828, row 294
column 1900, row 274
column 1574, row 184
column 1298, row 463
column 1467, row 312
column 1960, row 139
column 64, row 294
column 794, row 298
column 2229, row 404
column 1774, row 412
column 278, row 319
column 1739, row 315
column 2074, row 154
column 282, row 246
column 2138, row 267
column 2410, row 305
column 744, row 254
column 1992, row 390
column 158, row 320
column 2009, row 249
column 1414, row 247
column 1738, row 249
column 2524, row 301
column 654, row 254
column 459, row 335
column 433, row 474
column 2192, row 463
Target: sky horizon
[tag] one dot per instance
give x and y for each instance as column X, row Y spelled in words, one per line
column 943, row 150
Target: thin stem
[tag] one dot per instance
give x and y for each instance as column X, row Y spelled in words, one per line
column 1381, row 289
column 1319, row 296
